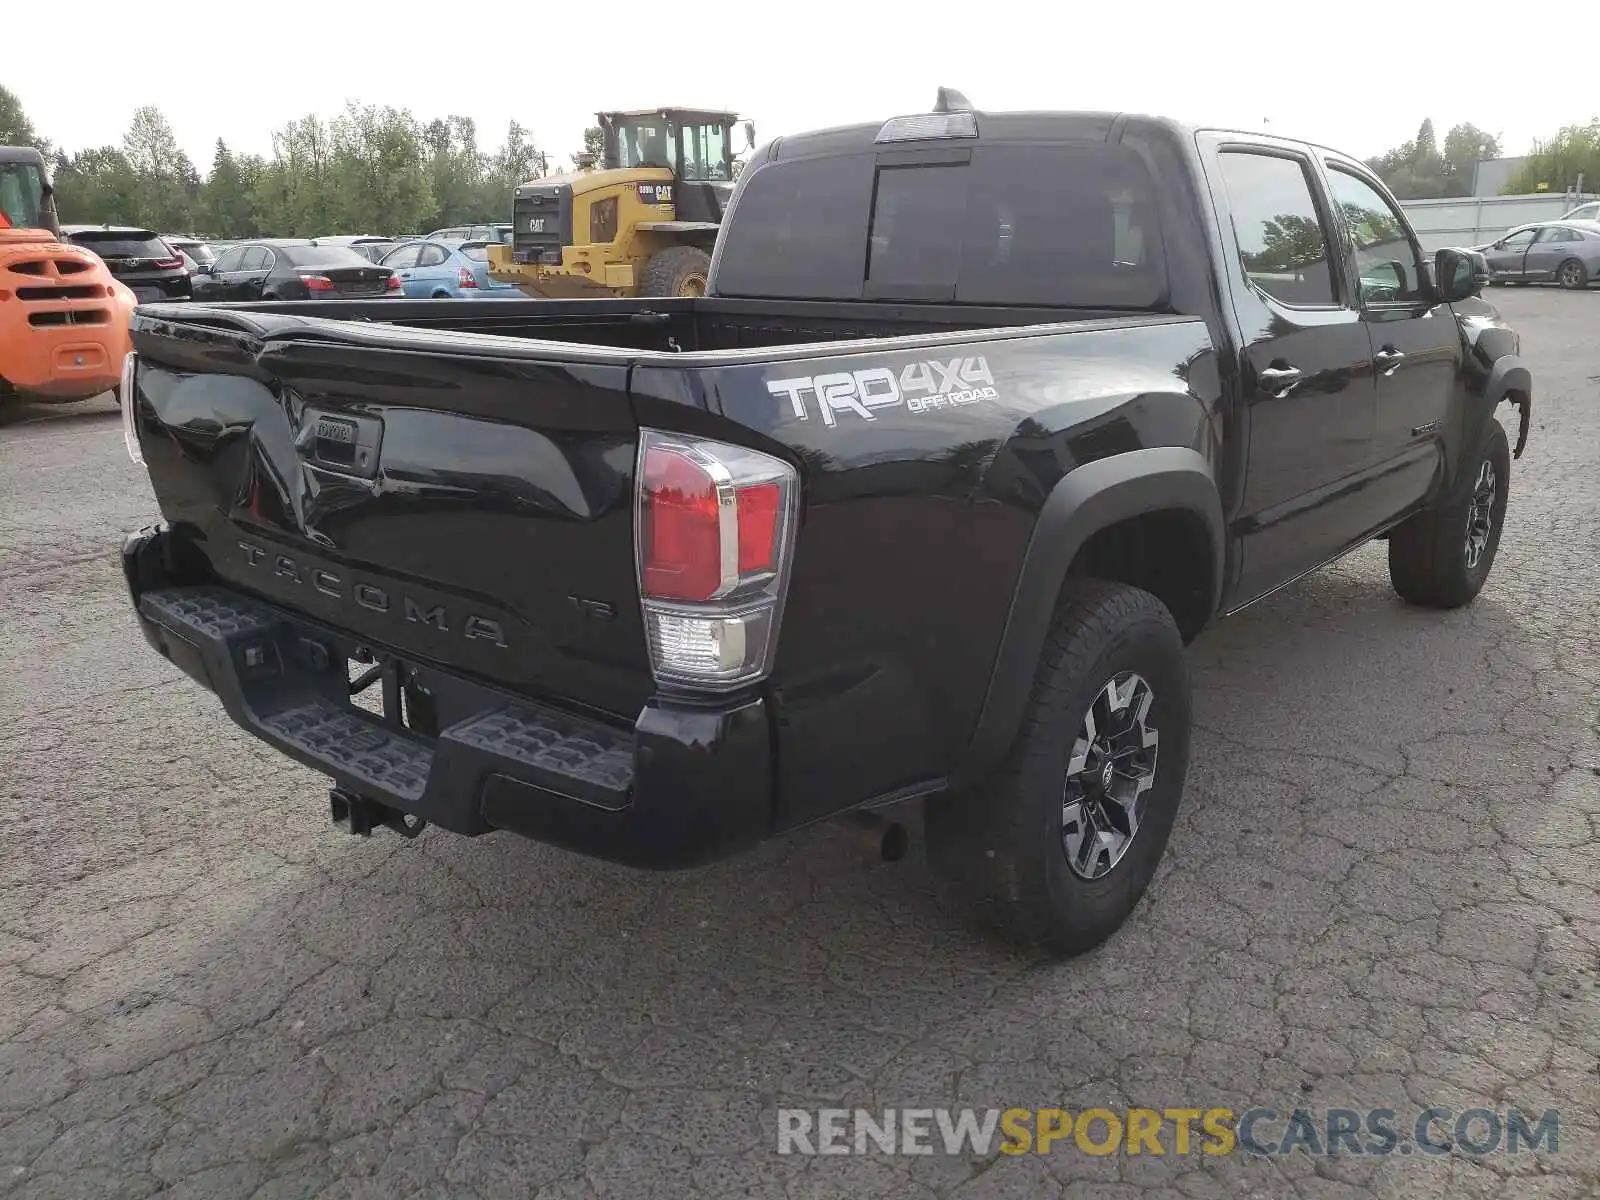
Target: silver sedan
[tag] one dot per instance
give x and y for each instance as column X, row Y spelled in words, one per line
column 1564, row 252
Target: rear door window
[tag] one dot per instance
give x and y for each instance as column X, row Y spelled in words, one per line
column 404, row 256
column 1279, row 234
column 432, row 256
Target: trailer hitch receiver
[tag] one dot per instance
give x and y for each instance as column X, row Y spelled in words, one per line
column 357, row 814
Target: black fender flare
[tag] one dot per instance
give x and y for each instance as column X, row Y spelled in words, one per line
column 1083, row 502
column 1508, row 380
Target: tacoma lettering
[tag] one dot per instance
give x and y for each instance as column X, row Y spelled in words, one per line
column 434, row 615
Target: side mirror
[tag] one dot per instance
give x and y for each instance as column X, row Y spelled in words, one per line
column 203, row 268
column 1460, row 274
column 749, row 135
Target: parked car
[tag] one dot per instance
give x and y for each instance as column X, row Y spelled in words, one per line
column 194, row 249
column 954, row 465
column 1589, row 211
column 1564, row 252
column 447, row 269
column 473, row 233
column 293, row 269
column 137, row 258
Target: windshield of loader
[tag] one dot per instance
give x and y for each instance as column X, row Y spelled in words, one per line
column 705, row 152
column 21, row 187
column 646, row 142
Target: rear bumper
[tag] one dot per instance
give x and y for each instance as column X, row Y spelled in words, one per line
column 684, row 785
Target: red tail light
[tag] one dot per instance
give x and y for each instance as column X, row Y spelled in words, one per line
column 713, row 532
column 681, row 527
column 393, row 283
column 467, row 278
column 759, row 507
column 167, row 264
column 317, row 283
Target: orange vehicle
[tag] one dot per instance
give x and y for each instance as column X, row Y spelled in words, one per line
column 63, row 318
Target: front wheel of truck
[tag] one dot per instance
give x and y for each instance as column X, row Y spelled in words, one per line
column 1440, row 558
column 1060, row 845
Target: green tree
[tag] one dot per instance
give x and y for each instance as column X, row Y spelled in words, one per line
column 15, row 128
column 381, row 178
column 1465, row 146
column 1556, row 164
column 456, row 170
column 164, row 179
column 295, row 195
column 227, row 207
column 517, row 161
column 97, row 187
column 370, row 169
column 1427, row 148
column 594, row 145
column 1417, row 169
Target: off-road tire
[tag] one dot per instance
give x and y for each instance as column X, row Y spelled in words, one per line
column 1002, row 844
column 1429, row 553
column 1573, row 275
column 676, row 271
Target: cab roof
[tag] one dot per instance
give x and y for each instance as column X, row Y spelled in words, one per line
column 705, row 114
column 1031, row 125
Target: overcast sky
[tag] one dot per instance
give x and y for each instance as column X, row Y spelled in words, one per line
column 1360, row 79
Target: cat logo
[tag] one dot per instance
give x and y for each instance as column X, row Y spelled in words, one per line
column 919, row 387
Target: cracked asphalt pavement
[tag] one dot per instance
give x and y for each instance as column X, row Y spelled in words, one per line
column 1381, row 892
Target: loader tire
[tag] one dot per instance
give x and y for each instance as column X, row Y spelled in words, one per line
column 676, row 271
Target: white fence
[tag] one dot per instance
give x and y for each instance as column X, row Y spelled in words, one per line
column 1475, row 220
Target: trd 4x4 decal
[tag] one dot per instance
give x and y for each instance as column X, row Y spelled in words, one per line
column 920, row 386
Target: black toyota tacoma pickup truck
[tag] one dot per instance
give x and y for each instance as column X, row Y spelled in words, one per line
column 982, row 417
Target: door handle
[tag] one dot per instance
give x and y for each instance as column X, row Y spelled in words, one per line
column 1388, row 359
column 1279, row 381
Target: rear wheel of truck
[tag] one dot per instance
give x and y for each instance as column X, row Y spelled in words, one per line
column 676, row 271
column 1059, row 847
column 1440, row 558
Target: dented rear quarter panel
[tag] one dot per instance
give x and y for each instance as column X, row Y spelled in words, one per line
column 917, row 515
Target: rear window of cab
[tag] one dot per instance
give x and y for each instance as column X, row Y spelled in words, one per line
column 1070, row 225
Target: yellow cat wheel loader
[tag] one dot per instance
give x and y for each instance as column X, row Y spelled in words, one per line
column 641, row 223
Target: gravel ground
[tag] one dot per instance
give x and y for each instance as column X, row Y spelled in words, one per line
column 1381, row 893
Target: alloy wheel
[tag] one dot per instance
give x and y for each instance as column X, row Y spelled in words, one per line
column 1112, row 767
column 1480, row 515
